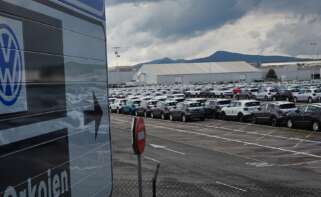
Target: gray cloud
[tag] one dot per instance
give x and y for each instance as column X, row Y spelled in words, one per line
column 135, row 2
column 149, row 29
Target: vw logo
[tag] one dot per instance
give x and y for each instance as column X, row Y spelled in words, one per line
column 11, row 65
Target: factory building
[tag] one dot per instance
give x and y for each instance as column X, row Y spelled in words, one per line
column 192, row 73
column 286, row 71
column 121, row 75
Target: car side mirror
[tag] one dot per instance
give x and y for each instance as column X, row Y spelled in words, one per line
column 260, row 109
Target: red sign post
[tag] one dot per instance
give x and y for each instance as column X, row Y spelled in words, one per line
column 138, row 142
column 139, row 135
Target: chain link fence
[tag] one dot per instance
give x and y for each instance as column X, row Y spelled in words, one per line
column 129, row 188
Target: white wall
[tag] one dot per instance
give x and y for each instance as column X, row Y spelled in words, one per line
column 118, row 77
column 209, row 78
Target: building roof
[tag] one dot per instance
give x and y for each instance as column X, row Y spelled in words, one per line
column 198, row 68
column 301, row 63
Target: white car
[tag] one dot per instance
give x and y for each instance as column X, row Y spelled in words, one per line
column 240, row 109
column 266, row 93
column 117, row 105
column 309, row 95
column 223, row 92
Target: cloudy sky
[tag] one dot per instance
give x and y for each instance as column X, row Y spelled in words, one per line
column 152, row 29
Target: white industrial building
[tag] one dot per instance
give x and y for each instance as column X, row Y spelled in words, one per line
column 189, row 73
column 303, row 70
column 120, row 74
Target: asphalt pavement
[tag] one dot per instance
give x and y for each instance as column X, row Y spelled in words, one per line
column 236, row 159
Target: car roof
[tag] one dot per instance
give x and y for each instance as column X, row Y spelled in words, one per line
column 282, row 103
column 190, row 102
column 246, row 101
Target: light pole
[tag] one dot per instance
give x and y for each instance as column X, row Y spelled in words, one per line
column 116, row 52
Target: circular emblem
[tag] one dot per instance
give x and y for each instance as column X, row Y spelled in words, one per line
column 11, row 65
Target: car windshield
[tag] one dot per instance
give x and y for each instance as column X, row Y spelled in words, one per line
column 252, row 104
column 224, row 102
column 194, row 105
column 171, row 104
column 287, row 106
column 136, row 102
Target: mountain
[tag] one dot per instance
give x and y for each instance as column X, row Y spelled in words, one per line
column 221, row 56
column 160, row 61
column 225, row 56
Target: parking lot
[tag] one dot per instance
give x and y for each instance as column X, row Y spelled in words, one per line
column 239, row 159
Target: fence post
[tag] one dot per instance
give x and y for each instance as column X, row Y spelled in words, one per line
column 155, row 179
column 140, row 185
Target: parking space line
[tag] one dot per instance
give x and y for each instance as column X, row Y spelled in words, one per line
column 300, row 142
column 262, row 137
column 230, row 186
column 152, row 159
column 238, row 141
column 165, row 148
column 257, row 133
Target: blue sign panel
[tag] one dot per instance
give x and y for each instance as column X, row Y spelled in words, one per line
column 10, row 66
column 94, row 8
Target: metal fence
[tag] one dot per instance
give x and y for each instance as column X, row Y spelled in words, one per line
column 129, row 188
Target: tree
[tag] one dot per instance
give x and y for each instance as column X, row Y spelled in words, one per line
column 271, row 75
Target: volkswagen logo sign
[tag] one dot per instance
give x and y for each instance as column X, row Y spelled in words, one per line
column 11, row 65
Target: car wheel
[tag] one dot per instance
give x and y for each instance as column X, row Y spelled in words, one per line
column 163, row 116
column 316, row 126
column 223, row 116
column 184, row 118
column 118, row 111
column 289, row 124
column 310, row 100
column 274, row 98
column 171, row 118
column 202, row 119
column 287, row 99
column 274, row 122
column 240, row 117
column 254, row 120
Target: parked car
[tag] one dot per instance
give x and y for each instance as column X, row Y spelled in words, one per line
column 117, row 105
column 223, row 92
column 213, row 107
column 198, row 100
column 274, row 113
column 308, row 116
column 283, row 95
column 243, row 94
column 145, row 108
column 163, row 108
column 186, row 111
column 308, row 95
column 266, row 93
column 130, row 106
column 241, row 110
column 110, row 101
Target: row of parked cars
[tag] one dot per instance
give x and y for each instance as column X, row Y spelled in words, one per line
column 177, row 107
column 295, row 91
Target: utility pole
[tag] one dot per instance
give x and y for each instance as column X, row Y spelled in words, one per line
column 315, row 45
column 116, row 52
